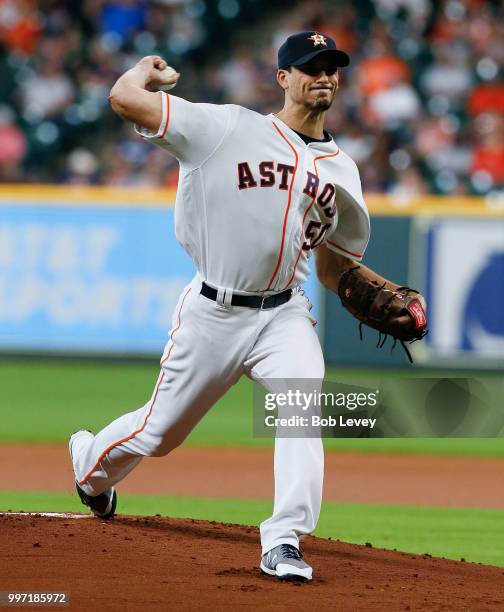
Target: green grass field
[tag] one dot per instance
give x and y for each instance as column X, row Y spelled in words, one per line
column 44, row 401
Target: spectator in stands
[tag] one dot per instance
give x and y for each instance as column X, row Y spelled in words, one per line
column 20, row 25
column 413, row 108
column 49, row 90
column 488, row 155
column 13, row 146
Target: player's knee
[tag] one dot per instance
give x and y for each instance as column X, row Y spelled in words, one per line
column 312, row 368
column 319, row 371
column 162, row 445
column 162, row 448
column 319, row 367
column 313, row 371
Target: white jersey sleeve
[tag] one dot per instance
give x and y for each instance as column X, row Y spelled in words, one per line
column 191, row 132
column 350, row 235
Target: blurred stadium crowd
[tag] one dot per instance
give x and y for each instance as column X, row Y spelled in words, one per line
column 420, row 109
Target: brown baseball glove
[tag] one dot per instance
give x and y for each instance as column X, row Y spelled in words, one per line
column 399, row 313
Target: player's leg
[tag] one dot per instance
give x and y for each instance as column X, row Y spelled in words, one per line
column 288, row 348
column 198, row 366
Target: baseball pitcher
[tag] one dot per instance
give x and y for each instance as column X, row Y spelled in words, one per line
column 256, row 196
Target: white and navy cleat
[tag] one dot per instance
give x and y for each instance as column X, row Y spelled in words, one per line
column 286, row 563
column 103, row 505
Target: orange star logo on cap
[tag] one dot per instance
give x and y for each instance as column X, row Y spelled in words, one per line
column 318, row 39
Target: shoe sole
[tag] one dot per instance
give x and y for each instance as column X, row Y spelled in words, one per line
column 283, row 577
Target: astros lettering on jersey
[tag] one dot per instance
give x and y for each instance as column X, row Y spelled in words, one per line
column 265, row 197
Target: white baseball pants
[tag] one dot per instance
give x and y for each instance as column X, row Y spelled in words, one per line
column 209, row 348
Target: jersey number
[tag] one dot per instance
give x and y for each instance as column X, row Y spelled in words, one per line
column 315, row 234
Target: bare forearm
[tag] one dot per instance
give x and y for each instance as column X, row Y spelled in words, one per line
column 134, row 79
column 128, row 90
column 373, row 276
column 331, row 265
column 130, row 96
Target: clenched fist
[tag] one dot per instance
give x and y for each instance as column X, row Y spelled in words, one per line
column 158, row 75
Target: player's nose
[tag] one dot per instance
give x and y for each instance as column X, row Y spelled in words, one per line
column 321, row 80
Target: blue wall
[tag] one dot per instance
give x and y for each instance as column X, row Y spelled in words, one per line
column 88, row 279
column 91, row 279
column 105, row 278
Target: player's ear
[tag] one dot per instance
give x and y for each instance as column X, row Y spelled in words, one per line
column 282, row 78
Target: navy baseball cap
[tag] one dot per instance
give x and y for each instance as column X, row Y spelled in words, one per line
column 300, row 48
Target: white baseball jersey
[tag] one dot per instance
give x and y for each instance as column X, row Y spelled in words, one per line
column 253, row 199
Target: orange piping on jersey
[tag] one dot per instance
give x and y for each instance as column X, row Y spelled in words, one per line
column 304, row 216
column 359, row 255
column 107, row 450
column 167, row 114
column 160, row 380
column 178, row 325
column 302, row 237
column 280, row 254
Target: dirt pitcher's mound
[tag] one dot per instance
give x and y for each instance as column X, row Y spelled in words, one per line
column 135, row 563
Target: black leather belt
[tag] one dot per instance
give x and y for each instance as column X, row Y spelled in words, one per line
column 250, row 301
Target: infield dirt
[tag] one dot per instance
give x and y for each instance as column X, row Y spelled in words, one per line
column 463, row 482
column 138, row 563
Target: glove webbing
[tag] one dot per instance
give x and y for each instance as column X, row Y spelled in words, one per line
column 382, row 339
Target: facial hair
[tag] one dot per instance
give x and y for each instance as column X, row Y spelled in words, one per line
column 319, row 105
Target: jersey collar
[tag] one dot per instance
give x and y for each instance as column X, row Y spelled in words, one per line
column 329, row 145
